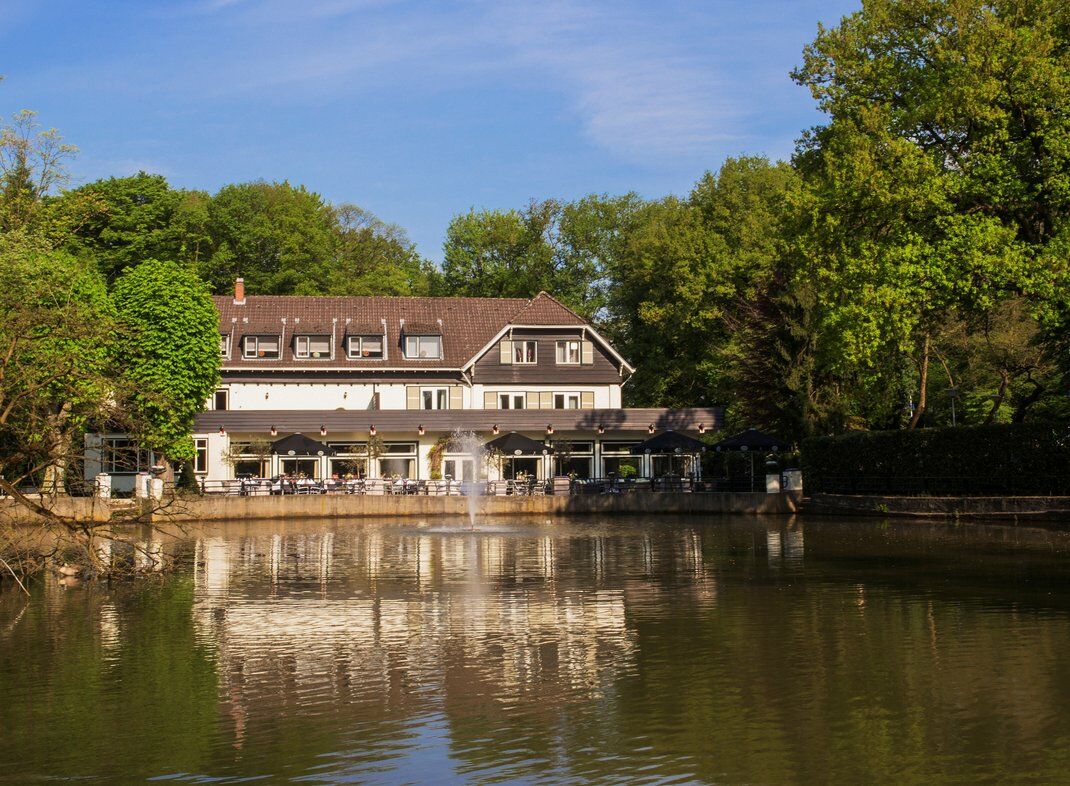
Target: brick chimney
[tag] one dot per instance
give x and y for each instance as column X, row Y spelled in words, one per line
column 239, row 291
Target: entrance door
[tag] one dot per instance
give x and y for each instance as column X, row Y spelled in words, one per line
column 458, row 469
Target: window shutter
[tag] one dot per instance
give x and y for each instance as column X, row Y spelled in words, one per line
column 490, row 400
column 505, row 352
column 587, row 399
column 531, row 399
column 546, row 400
column 456, row 397
column 412, row 397
column 586, row 352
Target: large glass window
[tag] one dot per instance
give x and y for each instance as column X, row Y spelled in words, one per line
column 427, row 347
column 511, row 401
column 370, row 347
column 568, row 352
column 525, row 352
column 121, row 455
column 434, row 398
column 221, row 399
column 573, row 458
column 398, row 460
column 617, row 460
column 261, row 347
column 301, row 467
column 312, row 346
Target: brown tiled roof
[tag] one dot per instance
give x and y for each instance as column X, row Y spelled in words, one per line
column 544, row 310
column 467, row 325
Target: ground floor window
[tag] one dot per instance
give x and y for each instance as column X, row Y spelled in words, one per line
column 398, row 460
column 122, row 455
column 354, row 467
column 671, row 464
column 618, row 461
column 622, row 466
column 574, row 458
column 577, row 466
column 301, row 467
column 200, row 461
column 514, row 467
column 251, row 467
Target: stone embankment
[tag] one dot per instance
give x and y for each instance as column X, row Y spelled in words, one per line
column 1031, row 508
column 221, row 508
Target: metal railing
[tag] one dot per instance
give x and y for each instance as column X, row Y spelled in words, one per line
column 262, row 487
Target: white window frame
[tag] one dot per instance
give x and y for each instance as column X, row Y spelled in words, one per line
column 254, row 342
column 520, row 347
column 414, row 345
column 563, row 350
column 224, row 345
column 565, row 399
column 306, row 352
column 355, row 348
column 200, row 459
column 439, row 395
column 512, row 398
column 216, row 392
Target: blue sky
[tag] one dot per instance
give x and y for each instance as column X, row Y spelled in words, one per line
column 415, row 110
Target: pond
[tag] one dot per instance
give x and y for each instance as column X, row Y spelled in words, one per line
column 719, row 650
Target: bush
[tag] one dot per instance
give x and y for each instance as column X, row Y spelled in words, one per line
column 1030, row 458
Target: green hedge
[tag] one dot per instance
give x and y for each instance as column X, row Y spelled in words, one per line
column 1030, row 458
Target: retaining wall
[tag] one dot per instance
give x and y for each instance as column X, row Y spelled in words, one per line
column 1054, row 508
column 218, row 508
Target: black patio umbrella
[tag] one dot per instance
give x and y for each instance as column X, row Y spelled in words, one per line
column 670, row 442
column 513, row 445
column 754, row 442
column 753, row 439
column 300, row 445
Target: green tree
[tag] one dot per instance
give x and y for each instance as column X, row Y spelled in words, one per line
column 941, row 182
column 168, row 355
column 32, row 163
column 122, row 220
column 561, row 248
column 274, row 235
column 680, row 272
column 371, row 257
column 55, row 375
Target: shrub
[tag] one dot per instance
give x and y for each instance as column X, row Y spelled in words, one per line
column 1030, row 458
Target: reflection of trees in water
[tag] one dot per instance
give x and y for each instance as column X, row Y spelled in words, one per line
column 717, row 653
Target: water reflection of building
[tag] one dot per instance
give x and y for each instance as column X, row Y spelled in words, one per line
column 388, row 617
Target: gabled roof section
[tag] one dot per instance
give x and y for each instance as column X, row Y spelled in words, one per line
column 543, row 309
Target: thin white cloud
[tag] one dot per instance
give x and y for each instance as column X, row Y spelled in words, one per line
column 637, row 92
column 635, row 89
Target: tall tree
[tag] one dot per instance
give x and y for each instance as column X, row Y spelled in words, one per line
column 122, row 220
column 941, row 183
column 168, row 355
column 55, row 373
column 680, row 270
column 557, row 247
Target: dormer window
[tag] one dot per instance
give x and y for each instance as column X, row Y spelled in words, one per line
column 261, row 347
column 423, row 347
column 312, row 347
column 525, row 352
column 224, row 345
column 365, row 347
